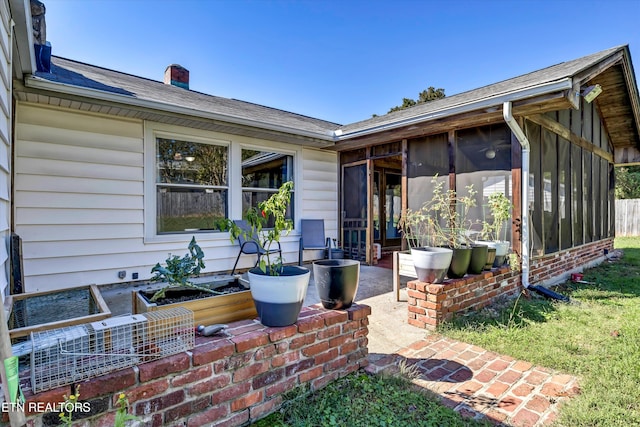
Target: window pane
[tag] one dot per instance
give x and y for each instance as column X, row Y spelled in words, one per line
column 483, row 159
column 564, row 192
column 182, row 209
column 427, row 158
column 550, row 191
column 184, row 162
column 576, row 200
column 253, row 198
column 262, row 169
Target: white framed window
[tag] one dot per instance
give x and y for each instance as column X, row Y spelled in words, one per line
column 192, row 185
column 263, row 172
column 187, row 178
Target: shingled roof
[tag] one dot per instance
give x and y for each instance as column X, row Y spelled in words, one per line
column 142, row 91
column 513, row 89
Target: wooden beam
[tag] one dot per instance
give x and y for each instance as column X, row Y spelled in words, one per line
column 403, row 190
column 565, row 133
column 626, row 156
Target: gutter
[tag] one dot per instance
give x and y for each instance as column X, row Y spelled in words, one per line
column 35, row 82
column 526, row 150
column 524, row 251
column 529, row 92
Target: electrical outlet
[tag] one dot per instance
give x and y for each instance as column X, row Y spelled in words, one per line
column 122, row 274
column 134, row 276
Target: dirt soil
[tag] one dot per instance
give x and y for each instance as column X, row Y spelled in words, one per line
column 181, row 295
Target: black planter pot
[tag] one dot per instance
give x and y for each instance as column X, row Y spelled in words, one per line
column 478, row 258
column 336, row 282
column 459, row 263
column 278, row 299
column 491, row 256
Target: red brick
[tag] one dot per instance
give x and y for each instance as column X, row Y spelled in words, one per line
column 159, row 403
column 338, row 341
column 329, row 332
column 212, row 352
column 246, row 401
column 325, row 357
column 192, row 376
column 282, row 347
column 262, row 409
column 561, row 379
column 522, row 390
column 309, row 324
column 521, row 366
column 110, row 383
column 349, row 326
column 50, row 396
column 147, row 390
column 538, row 404
column 322, row 381
column 235, row 420
column 243, row 327
column 349, row 347
column 525, row 418
column 278, row 334
column 300, row 342
column 282, row 387
column 359, row 311
column 510, row 376
column 509, row 404
column 300, row 366
column 496, row 389
column 265, row 352
column 310, row 374
column 209, row 416
column 268, row 378
column 417, row 310
column 250, row 340
column 551, row 389
column 417, row 295
column 536, row 377
column 250, row 371
column 334, row 317
column 498, row 365
column 335, row 364
column 314, row 349
column 283, row 359
column 230, row 393
column 163, row 367
column 185, row 409
column 212, row 384
column 469, row 387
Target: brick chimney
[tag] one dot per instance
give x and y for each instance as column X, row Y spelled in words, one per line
column 177, row 75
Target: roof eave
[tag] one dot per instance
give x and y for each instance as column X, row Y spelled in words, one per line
column 494, row 101
column 35, row 82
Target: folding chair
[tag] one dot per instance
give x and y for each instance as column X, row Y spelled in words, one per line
column 312, row 237
column 250, row 244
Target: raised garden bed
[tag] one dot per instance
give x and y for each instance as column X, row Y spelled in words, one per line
column 236, row 304
column 42, row 311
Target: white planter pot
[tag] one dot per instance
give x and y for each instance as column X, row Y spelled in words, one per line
column 431, row 263
column 278, row 299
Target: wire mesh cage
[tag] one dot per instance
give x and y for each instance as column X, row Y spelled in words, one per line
column 67, row 355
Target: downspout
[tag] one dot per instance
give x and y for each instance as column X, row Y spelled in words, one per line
column 524, row 224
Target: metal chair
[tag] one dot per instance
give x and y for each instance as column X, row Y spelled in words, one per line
column 250, row 244
column 312, row 237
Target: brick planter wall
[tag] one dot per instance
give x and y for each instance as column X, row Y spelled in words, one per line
column 431, row 304
column 226, row 380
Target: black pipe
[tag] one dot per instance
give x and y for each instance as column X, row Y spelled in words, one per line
column 548, row 293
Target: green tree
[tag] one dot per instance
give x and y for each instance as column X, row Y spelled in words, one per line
column 628, row 182
column 427, row 95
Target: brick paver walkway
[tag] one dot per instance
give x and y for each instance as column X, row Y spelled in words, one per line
column 481, row 384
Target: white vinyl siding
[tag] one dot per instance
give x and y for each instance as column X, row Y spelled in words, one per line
column 84, row 200
column 5, row 145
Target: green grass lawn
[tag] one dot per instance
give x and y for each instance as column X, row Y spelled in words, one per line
column 596, row 337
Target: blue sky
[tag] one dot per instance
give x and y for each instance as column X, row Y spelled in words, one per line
column 338, row 60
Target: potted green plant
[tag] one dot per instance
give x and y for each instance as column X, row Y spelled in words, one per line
column 278, row 290
column 218, row 299
column 494, row 231
column 422, row 231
